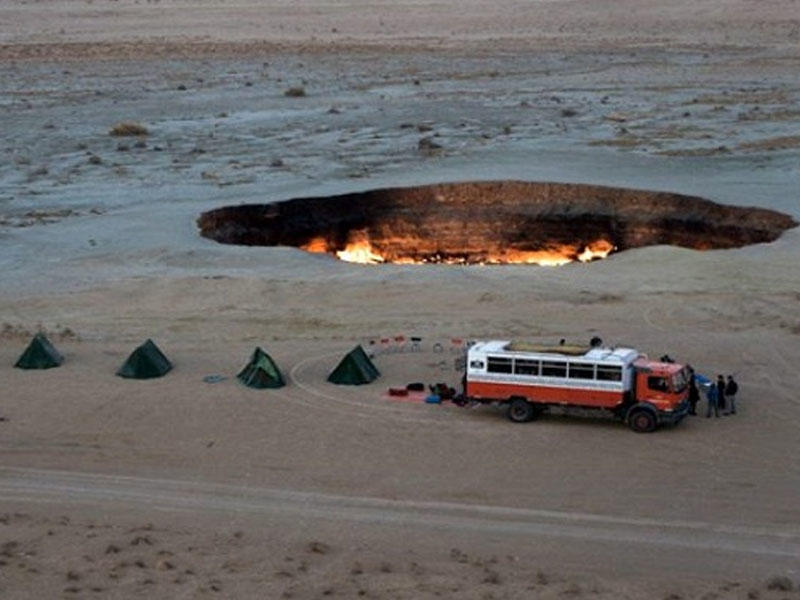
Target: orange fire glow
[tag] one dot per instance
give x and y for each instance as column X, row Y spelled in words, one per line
column 317, row 245
column 595, row 250
column 359, row 250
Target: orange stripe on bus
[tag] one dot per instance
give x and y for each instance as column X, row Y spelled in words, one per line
column 544, row 394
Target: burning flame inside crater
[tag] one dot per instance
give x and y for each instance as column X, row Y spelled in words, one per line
column 359, row 250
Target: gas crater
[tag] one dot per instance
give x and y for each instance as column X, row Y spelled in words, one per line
column 508, row 222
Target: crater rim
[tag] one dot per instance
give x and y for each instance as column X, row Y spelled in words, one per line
column 492, row 222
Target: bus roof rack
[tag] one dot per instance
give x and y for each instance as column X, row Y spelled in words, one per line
column 566, row 349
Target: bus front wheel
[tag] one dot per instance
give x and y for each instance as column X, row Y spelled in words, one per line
column 642, row 421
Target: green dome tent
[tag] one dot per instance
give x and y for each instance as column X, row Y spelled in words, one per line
column 261, row 372
column 354, row 369
column 40, row 354
column 146, row 362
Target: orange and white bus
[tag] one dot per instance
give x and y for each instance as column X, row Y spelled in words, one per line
column 530, row 379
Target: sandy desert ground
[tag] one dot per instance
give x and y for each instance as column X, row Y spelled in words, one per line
column 177, row 488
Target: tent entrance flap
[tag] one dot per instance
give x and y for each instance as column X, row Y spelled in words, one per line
column 261, row 372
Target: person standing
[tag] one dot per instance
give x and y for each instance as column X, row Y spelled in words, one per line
column 694, row 394
column 721, row 393
column 712, row 395
column 730, row 393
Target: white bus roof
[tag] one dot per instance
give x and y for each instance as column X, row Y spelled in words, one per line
column 611, row 355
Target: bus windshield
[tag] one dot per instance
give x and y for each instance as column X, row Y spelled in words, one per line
column 679, row 381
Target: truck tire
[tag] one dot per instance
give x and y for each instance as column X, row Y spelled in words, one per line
column 521, row 411
column 642, row 420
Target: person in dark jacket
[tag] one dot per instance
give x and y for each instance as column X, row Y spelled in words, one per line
column 730, row 393
column 721, row 393
column 712, row 396
column 694, row 395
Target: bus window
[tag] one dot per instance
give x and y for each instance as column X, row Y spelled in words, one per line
column 498, row 365
column 476, row 364
column 657, row 383
column 581, row 371
column 526, row 367
column 607, row 373
column 554, row 369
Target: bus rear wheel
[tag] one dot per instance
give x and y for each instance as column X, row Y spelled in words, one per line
column 521, row 411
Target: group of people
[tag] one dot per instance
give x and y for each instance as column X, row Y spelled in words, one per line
column 721, row 396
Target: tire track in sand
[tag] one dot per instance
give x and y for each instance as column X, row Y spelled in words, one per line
column 58, row 487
